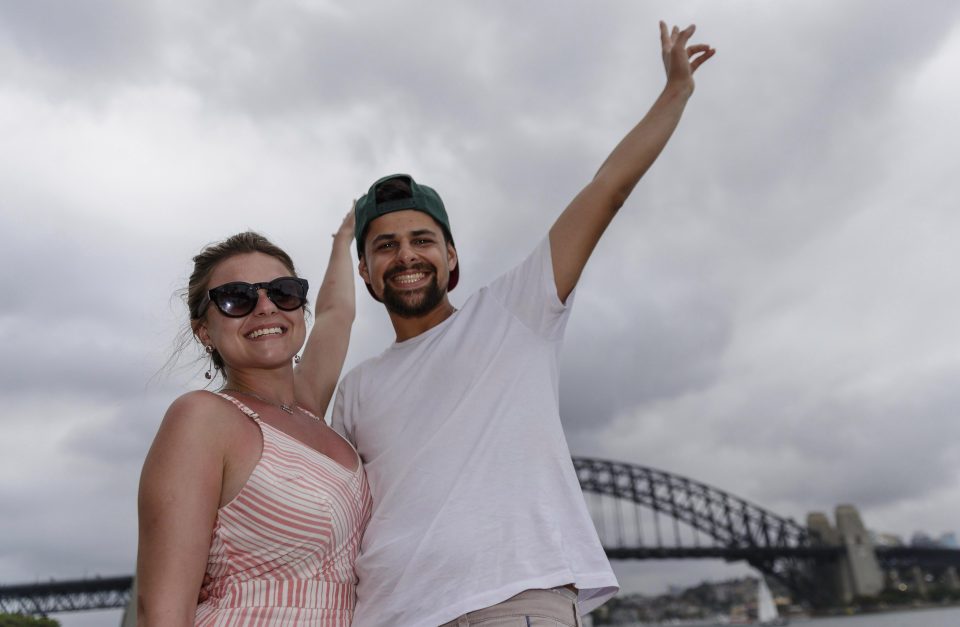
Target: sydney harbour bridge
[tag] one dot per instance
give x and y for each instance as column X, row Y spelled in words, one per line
column 643, row 513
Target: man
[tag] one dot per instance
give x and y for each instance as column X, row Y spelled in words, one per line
column 478, row 513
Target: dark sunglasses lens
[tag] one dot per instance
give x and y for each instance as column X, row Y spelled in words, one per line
column 287, row 293
column 235, row 299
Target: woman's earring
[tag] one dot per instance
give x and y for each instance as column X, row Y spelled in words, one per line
column 212, row 367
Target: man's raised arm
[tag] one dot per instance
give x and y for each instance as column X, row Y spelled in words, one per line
column 578, row 229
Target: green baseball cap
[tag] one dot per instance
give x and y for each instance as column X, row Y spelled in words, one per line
column 422, row 198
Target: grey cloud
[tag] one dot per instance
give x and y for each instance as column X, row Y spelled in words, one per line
column 101, row 539
column 93, row 39
column 803, row 445
column 659, row 346
column 883, row 446
column 71, row 518
column 72, row 317
column 91, row 360
column 788, row 134
column 120, row 442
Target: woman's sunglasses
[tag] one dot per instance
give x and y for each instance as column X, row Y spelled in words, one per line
column 238, row 299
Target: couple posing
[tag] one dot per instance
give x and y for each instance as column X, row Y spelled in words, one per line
column 473, row 513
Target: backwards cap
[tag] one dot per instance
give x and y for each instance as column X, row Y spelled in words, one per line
column 422, row 198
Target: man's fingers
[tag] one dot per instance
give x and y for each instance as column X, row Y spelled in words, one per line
column 675, row 35
column 698, row 61
column 684, row 35
column 675, row 38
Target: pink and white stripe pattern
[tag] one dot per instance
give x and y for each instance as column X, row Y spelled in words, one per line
column 283, row 549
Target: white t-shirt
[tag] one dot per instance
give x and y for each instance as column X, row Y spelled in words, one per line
column 475, row 498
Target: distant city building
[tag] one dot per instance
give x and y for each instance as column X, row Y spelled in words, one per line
column 886, row 539
column 949, row 540
column 675, row 591
column 921, row 539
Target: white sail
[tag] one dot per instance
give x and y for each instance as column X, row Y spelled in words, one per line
column 766, row 608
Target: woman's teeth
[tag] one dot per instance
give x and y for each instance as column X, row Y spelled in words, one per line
column 259, row 332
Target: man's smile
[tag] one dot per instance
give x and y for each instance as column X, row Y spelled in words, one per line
column 409, row 277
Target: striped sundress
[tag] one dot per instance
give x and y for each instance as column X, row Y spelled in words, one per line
column 283, row 549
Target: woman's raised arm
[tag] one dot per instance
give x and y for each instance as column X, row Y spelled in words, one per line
column 318, row 371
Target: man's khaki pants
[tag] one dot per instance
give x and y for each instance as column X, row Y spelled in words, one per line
column 532, row 608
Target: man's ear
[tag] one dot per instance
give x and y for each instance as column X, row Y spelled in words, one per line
column 451, row 257
column 363, row 270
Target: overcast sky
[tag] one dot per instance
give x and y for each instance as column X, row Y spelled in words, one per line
column 773, row 312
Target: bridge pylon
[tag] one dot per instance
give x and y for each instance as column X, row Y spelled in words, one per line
column 950, row 578
column 857, row 573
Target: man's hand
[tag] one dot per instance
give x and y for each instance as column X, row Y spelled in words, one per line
column 578, row 229
column 204, row 589
column 680, row 60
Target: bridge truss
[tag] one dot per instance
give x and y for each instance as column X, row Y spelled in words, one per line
column 645, row 513
column 66, row 596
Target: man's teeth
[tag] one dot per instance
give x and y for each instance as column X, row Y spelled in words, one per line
column 270, row 331
column 409, row 278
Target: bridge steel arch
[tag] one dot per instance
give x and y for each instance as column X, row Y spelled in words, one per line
column 777, row 546
column 66, row 596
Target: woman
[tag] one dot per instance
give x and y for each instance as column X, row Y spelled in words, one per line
column 248, row 486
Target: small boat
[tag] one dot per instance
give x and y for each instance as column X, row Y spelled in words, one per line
column 767, row 613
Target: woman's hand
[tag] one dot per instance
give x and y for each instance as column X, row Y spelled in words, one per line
column 345, row 232
column 317, row 374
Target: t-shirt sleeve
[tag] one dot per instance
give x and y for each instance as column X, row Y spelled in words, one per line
column 341, row 418
column 529, row 292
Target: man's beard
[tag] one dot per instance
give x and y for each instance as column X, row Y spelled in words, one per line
column 413, row 304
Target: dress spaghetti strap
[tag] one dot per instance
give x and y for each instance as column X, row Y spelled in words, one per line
column 249, row 412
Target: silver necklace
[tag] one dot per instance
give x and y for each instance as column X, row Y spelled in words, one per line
column 283, row 406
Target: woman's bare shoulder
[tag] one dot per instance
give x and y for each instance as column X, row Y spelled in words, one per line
column 200, row 412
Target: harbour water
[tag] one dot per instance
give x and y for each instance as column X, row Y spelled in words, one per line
column 933, row 617
column 938, row 617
